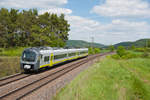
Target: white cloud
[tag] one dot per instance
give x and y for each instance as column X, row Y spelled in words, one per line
column 114, row 32
column 78, row 21
column 123, row 8
column 56, row 11
column 32, row 3
column 81, row 28
column 126, row 26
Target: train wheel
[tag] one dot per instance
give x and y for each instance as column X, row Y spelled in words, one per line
column 36, row 71
column 26, row 71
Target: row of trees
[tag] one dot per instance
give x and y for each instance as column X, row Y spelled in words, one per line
column 27, row 28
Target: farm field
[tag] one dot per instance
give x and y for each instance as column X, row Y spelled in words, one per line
column 111, row 79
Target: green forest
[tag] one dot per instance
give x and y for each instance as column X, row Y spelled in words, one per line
column 27, row 28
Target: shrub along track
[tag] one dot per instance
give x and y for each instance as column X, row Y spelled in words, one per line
column 28, row 87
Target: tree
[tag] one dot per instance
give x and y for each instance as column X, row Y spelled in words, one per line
column 4, row 22
column 3, row 38
column 27, row 28
column 132, row 47
column 111, row 48
column 96, row 50
column 148, row 43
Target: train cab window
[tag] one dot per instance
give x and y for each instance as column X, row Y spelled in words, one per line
column 29, row 56
column 46, row 58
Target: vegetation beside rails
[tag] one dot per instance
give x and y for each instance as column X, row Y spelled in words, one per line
column 122, row 53
column 111, row 79
column 9, row 66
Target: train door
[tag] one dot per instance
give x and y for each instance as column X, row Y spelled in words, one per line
column 45, row 60
column 51, row 59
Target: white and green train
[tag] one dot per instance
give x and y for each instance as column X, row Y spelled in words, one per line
column 38, row 57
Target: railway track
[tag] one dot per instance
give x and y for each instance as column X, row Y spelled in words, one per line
column 12, row 78
column 26, row 89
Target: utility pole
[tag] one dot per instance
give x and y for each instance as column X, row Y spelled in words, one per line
column 146, row 43
column 92, row 42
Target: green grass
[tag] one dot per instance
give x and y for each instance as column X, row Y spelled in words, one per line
column 135, row 52
column 111, row 80
column 11, row 51
column 104, row 51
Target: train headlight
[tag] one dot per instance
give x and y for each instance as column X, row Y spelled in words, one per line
column 27, row 66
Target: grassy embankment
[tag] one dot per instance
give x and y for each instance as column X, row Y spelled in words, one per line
column 111, row 79
column 9, row 61
column 11, row 52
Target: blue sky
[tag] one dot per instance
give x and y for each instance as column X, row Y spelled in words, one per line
column 108, row 21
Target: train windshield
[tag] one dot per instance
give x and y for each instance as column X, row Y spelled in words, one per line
column 29, row 56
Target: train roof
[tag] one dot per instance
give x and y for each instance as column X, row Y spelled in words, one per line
column 55, row 49
column 63, row 50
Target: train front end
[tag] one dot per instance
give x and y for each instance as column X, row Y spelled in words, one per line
column 29, row 60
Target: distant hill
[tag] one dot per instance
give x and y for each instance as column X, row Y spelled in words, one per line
column 81, row 43
column 138, row 43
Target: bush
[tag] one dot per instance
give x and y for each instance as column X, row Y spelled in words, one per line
column 96, row 50
column 132, row 47
column 116, row 56
column 93, row 51
column 123, row 54
column 111, row 48
column 140, row 49
column 145, row 55
column 90, row 51
column 129, row 55
column 147, row 50
column 121, row 51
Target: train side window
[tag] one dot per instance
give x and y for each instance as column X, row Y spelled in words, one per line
column 82, row 52
column 60, row 56
column 46, row 58
column 72, row 54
